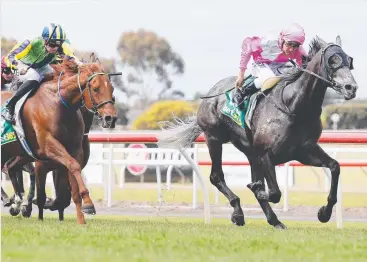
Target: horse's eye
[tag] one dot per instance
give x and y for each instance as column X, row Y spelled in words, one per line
column 335, row 61
column 96, row 89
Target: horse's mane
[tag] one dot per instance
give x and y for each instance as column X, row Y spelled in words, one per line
column 67, row 66
column 315, row 45
column 70, row 67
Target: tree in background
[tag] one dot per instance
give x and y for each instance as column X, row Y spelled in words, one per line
column 163, row 111
column 7, row 45
column 147, row 55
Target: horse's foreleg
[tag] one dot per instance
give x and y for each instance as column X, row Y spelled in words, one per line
column 258, row 188
column 77, row 199
column 41, row 173
column 16, row 205
column 57, row 152
column 314, row 155
column 27, row 205
column 19, row 176
column 217, row 179
column 32, row 177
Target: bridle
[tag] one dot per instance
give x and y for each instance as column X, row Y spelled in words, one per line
column 95, row 106
column 326, row 67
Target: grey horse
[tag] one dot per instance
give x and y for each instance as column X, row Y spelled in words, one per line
column 285, row 126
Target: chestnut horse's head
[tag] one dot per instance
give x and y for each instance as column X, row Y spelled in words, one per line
column 97, row 93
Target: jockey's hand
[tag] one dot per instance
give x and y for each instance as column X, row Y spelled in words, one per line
column 239, row 81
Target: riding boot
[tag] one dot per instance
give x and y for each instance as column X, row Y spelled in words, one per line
column 238, row 97
column 242, row 93
column 27, row 86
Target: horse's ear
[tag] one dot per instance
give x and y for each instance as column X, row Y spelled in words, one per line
column 92, row 57
column 338, row 41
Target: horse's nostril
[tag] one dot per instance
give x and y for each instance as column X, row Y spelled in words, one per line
column 108, row 118
column 348, row 87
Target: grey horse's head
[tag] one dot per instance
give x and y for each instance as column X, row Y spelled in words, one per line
column 337, row 69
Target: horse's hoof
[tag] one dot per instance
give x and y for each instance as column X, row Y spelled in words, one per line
column 14, row 211
column 280, row 226
column 238, row 220
column 7, row 202
column 27, row 211
column 323, row 215
column 88, row 209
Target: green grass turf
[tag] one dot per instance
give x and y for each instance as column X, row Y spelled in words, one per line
column 122, row 238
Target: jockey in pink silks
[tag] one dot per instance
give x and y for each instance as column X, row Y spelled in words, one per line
column 271, row 57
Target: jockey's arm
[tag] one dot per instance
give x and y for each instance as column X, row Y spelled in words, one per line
column 69, row 52
column 17, row 52
column 246, row 53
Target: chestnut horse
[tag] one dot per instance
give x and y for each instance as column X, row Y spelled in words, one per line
column 54, row 127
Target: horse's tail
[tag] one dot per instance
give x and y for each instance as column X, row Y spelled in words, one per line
column 179, row 135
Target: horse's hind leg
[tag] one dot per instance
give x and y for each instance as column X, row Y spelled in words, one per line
column 63, row 194
column 217, row 179
column 314, row 155
column 258, row 188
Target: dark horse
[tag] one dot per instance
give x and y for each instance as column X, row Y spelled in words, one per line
column 26, row 205
column 23, row 204
column 55, row 136
column 285, row 126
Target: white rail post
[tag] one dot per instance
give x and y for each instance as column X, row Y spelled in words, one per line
column 159, row 183
column 194, row 182
column 216, row 192
column 110, row 186
column 339, row 206
column 195, row 166
column 169, row 177
column 122, row 176
column 285, row 197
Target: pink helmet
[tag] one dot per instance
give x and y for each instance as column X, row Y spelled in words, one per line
column 292, row 33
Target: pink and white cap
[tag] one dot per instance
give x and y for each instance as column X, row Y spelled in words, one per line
column 293, row 33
